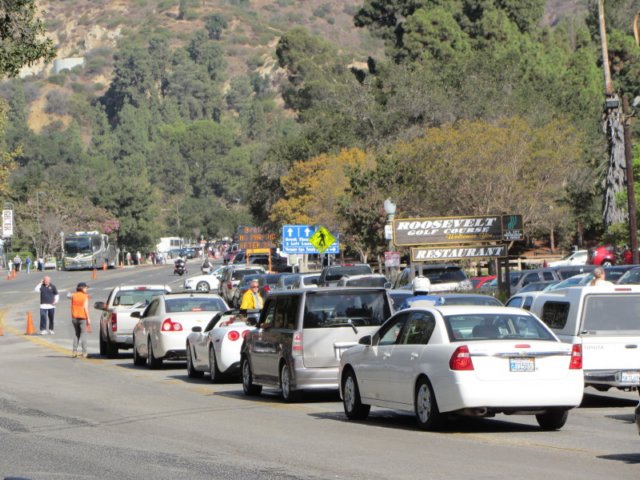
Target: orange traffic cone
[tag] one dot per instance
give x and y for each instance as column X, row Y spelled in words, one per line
column 95, row 274
column 30, row 329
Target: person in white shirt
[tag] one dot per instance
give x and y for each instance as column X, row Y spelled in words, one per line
column 598, row 278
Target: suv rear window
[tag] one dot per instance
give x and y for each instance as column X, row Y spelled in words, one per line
column 444, row 275
column 342, row 309
column 128, row 298
column 597, row 313
column 239, row 274
column 333, row 274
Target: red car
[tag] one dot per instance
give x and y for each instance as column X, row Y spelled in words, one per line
column 607, row 255
column 477, row 282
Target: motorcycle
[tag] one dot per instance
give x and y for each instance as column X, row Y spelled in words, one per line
column 180, row 267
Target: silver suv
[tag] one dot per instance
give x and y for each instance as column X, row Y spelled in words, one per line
column 444, row 277
column 302, row 333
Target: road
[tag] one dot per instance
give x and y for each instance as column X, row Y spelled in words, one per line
column 64, row 418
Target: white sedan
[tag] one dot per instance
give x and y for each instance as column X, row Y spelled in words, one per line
column 208, row 282
column 468, row 360
column 216, row 349
column 162, row 329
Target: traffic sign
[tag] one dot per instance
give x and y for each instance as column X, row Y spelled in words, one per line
column 322, row 239
column 295, row 239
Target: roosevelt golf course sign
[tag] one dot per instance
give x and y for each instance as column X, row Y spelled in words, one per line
column 459, row 230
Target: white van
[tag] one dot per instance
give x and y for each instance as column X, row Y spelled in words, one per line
column 606, row 320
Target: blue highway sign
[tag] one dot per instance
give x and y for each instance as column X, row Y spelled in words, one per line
column 295, row 239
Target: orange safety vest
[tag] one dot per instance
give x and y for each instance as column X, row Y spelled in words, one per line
column 78, row 300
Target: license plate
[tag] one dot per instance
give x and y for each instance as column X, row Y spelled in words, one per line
column 522, row 364
column 630, row 377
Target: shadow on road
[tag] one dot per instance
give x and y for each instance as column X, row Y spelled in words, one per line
column 630, row 458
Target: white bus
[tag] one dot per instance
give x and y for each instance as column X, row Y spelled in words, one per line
column 167, row 244
column 85, row 250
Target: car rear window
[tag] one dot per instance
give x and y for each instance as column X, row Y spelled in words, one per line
column 128, row 298
column 344, row 309
column 336, row 273
column 445, row 275
column 195, row 304
column 597, row 315
column 367, row 282
column 239, row 274
column 469, row 327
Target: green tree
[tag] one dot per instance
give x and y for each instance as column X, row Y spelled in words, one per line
column 214, row 25
column 21, row 37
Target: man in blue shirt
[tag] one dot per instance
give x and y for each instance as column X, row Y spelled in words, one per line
column 421, row 298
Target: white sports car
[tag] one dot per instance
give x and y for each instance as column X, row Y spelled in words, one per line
column 216, row 349
column 207, row 282
column 163, row 327
column 468, row 360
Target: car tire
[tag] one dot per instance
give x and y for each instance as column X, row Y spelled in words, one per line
column 552, row 419
column 288, row 395
column 426, row 408
column 214, row 372
column 354, row 409
column 191, row 371
column 152, row 362
column 248, row 387
column 203, row 287
column 112, row 348
column 137, row 359
column 103, row 345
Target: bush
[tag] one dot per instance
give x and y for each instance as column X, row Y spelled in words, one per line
column 58, row 79
column 57, row 102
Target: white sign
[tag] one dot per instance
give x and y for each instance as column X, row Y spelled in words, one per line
column 7, row 223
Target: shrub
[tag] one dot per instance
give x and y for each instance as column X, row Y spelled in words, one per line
column 57, row 102
column 58, row 79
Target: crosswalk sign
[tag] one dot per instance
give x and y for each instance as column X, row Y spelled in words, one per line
column 322, row 239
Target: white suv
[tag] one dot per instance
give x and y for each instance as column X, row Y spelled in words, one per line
column 443, row 277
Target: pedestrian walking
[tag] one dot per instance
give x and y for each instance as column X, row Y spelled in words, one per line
column 27, row 262
column 17, row 262
column 80, row 318
column 48, row 299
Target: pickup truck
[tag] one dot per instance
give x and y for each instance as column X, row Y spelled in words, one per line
column 116, row 322
column 605, row 320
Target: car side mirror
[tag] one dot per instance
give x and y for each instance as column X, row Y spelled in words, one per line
column 366, row 340
column 197, row 329
column 136, row 314
column 99, row 306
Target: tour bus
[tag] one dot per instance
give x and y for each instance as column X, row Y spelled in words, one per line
column 86, row 250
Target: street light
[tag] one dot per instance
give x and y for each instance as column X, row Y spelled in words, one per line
column 390, row 210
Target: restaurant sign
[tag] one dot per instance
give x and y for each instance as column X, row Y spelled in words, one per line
column 425, row 254
column 445, row 230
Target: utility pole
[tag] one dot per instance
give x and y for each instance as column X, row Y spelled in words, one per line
column 615, row 180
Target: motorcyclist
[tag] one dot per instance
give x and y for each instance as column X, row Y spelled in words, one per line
column 180, row 266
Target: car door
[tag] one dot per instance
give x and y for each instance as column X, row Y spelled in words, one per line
column 405, row 361
column 264, row 346
column 201, row 344
column 142, row 327
column 372, row 367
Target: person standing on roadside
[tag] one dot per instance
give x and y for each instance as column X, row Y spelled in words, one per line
column 48, row 299
column 17, row 262
column 27, row 262
column 80, row 318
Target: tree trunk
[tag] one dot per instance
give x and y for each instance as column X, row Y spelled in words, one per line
column 615, row 181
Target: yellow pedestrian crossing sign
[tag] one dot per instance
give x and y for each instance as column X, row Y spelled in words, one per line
column 322, row 239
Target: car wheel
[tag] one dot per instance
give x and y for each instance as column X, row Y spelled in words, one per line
column 112, row 348
column 214, row 372
column 353, row 407
column 288, row 395
column 552, row 419
column 248, row 386
column 607, row 263
column 191, row 371
column 202, row 287
column 103, row 345
column 137, row 359
column 426, row 408
column 152, row 361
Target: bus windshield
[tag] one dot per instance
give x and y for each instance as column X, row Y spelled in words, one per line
column 78, row 245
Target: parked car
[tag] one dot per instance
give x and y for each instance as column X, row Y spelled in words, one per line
column 569, row 282
column 538, row 286
column 116, row 320
column 162, row 328
column 477, row 282
column 278, row 263
column 578, row 257
column 216, row 349
column 302, row 333
column 50, row 263
column 522, row 300
column 465, row 360
column 266, row 282
column 208, row 282
column 286, row 281
column 368, row 280
column 331, row 274
column 630, row 277
column 306, row 280
column 231, row 280
column 469, row 299
column 443, row 277
column 612, row 273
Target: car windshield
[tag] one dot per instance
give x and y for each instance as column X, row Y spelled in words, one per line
column 486, row 326
column 136, row 297
column 195, row 304
column 471, row 300
column 631, row 277
column 344, row 309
